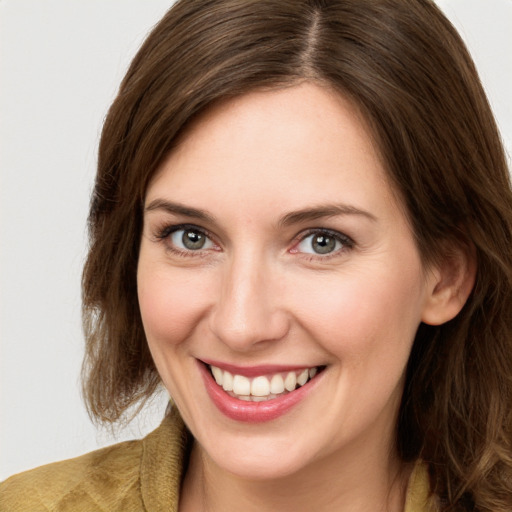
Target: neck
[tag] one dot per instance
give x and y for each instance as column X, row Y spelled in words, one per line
column 373, row 482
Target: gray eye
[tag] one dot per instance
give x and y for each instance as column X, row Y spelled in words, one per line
column 323, row 244
column 319, row 243
column 193, row 240
column 190, row 240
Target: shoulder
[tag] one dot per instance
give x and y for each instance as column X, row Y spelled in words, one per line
column 106, row 479
column 134, row 475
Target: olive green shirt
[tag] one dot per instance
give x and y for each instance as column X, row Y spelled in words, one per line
column 143, row 475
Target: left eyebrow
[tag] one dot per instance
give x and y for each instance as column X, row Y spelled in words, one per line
column 323, row 211
column 179, row 209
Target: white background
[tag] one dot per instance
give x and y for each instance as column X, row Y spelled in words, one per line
column 60, row 64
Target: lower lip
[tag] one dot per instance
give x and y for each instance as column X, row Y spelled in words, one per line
column 253, row 412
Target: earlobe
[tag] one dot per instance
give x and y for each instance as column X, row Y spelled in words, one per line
column 449, row 285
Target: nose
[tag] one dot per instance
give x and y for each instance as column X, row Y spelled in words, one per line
column 248, row 314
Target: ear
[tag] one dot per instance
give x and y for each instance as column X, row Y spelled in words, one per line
column 449, row 284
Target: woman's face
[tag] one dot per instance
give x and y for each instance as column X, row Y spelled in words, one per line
column 274, row 250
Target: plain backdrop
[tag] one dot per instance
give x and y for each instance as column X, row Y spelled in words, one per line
column 60, row 64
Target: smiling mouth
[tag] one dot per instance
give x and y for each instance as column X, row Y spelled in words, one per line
column 263, row 387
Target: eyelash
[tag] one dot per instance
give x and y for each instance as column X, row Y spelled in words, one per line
column 346, row 242
column 167, row 230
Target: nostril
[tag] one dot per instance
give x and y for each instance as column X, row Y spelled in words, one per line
column 245, row 332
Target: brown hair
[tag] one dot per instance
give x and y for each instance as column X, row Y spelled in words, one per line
column 407, row 69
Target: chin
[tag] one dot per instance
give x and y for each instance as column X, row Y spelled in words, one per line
column 258, row 457
column 262, row 466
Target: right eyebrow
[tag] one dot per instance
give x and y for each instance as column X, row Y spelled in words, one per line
column 179, row 209
column 329, row 210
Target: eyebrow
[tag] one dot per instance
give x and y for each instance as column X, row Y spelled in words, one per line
column 323, row 211
column 179, row 209
column 295, row 217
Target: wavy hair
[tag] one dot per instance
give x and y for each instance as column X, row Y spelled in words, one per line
column 404, row 65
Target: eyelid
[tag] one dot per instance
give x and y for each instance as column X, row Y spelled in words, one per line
column 167, row 229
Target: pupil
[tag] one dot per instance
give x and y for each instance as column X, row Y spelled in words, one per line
column 193, row 240
column 323, row 244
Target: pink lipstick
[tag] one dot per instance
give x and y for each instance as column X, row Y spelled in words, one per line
column 266, row 409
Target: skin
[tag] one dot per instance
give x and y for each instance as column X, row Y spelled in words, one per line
column 257, row 293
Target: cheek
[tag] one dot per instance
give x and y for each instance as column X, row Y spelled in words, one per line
column 170, row 306
column 364, row 312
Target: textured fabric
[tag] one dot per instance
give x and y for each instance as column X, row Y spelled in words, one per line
column 132, row 476
column 418, row 491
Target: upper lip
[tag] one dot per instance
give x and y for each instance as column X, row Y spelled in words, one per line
column 254, row 371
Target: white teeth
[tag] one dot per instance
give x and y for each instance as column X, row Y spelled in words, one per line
column 262, row 387
column 258, row 398
column 241, row 385
column 303, row 377
column 290, row 382
column 277, row 384
column 217, row 375
column 227, row 381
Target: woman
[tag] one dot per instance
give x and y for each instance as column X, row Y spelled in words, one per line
column 301, row 225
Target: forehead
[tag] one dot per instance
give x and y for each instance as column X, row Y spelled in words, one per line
column 297, row 145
